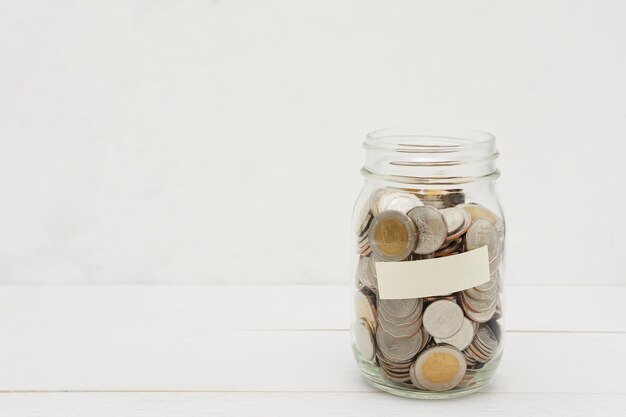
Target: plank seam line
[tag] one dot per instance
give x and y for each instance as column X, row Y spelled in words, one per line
column 8, row 392
column 346, row 330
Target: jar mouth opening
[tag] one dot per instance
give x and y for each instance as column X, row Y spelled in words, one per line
column 428, row 140
column 430, row 155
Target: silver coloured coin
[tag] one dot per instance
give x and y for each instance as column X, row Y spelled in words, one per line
column 494, row 264
column 452, row 247
column 476, row 211
column 398, row 349
column 413, row 377
column 478, row 304
column 400, row 308
column 399, row 331
column 415, row 317
column 454, row 218
column 467, row 221
column 363, row 272
column 443, row 318
column 365, row 309
column 389, row 364
column 398, row 200
column 482, row 232
column 375, row 198
column 479, row 317
column 481, row 296
column 363, row 220
column 373, row 275
column 363, row 339
column 425, row 338
column 432, row 230
column 487, row 338
column 440, row 368
column 493, row 281
column 460, row 339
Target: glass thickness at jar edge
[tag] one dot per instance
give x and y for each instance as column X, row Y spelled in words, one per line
column 438, row 346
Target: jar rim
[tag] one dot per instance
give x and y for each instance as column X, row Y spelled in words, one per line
column 428, row 139
column 430, row 155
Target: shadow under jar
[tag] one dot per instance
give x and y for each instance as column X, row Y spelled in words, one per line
column 429, row 239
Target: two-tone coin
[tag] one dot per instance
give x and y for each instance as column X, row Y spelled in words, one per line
column 392, row 236
column 439, row 368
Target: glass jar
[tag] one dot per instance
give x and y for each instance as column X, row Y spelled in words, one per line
column 428, row 273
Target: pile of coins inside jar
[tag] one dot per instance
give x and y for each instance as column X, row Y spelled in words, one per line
column 434, row 343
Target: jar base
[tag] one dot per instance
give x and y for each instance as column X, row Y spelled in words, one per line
column 477, row 381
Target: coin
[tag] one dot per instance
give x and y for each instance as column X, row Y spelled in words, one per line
column 452, row 247
column 363, row 220
column 400, row 308
column 454, row 219
column 432, row 230
column 440, row 368
column 482, row 232
column 425, row 338
column 415, row 317
column 479, row 304
column 362, row 271
column 398, row 349
column 487, row 338
column 479, row 316
column 398, row 200
column 476, row 211
column 375, row 198
column 467, row 221
column 443, row 318
column 460, row 339
column 392, row 235
column 483, row 346
column 413, row 377
column 441, row 198
column 363, row 339
column 365, row 309
column 372, row 274
column 399, row 330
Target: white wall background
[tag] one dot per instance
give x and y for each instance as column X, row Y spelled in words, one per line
column 219, row 141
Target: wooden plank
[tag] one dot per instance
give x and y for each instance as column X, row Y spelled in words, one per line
column 588, row 309
column 186, row 306
column 264, row 404
column 130, row 358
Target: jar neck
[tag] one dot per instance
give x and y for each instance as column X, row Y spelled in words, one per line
column 430, row 156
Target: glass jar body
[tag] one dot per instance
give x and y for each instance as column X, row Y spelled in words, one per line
column 420, row 329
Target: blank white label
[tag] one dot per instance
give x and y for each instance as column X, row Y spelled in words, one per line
column 431, row 277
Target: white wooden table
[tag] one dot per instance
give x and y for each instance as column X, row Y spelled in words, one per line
column 282, row 351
